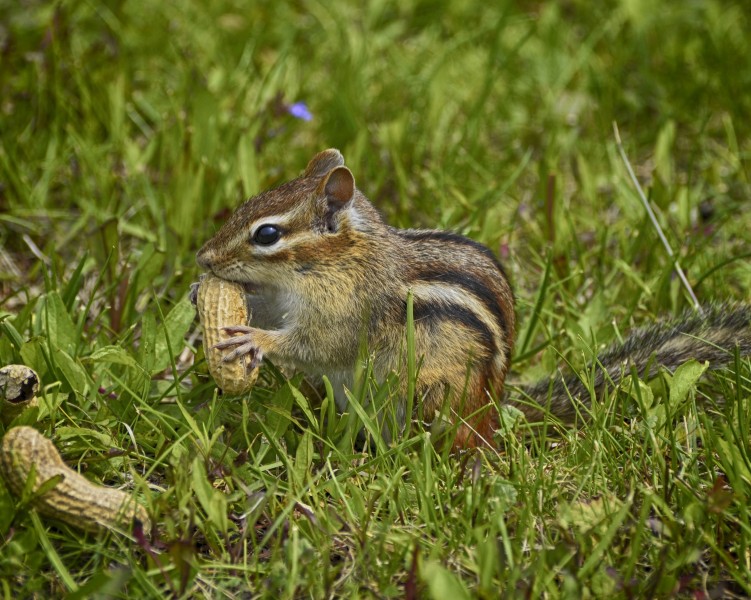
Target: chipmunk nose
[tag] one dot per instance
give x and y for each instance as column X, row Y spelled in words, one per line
column 204, row 259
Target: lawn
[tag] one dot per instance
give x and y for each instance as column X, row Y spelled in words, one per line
column 130, row 130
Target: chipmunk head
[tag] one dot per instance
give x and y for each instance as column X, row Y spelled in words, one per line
column 292, row 230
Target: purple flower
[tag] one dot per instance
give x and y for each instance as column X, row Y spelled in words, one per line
column 299, row 110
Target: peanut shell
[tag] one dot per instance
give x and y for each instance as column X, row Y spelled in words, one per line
column 18, row 388
column 221, row 304
column 74, row 500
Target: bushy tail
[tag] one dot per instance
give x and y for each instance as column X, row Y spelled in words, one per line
column 712, row 336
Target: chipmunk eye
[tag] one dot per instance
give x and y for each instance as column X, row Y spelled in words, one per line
column 267, row 235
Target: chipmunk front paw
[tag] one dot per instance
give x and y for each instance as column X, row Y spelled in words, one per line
column 193, row 294
column 244, row 345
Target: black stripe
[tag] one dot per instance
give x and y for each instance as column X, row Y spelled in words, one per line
column 472, row 285
column 452, row 238
column 426, row 312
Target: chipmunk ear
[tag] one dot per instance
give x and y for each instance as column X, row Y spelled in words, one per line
column 323, row 162
column 338, row 187
column 335, row 192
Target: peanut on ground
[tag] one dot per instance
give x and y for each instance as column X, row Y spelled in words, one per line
column 74, row 499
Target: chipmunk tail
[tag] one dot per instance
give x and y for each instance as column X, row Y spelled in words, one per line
column 715, row 335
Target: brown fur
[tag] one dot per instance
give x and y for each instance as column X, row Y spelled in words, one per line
column 341, row 273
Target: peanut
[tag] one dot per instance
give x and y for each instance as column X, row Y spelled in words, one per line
column 220, row 304
column 74, row 500
column 18, row 387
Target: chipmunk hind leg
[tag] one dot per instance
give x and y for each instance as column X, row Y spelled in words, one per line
column 460, row 407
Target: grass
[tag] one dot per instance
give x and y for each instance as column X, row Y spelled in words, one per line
column 129, row 130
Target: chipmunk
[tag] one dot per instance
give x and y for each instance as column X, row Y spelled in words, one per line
column 324, row 273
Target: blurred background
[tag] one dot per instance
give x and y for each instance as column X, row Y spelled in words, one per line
column 130, row 130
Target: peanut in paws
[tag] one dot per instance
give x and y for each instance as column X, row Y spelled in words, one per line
column 221, row 304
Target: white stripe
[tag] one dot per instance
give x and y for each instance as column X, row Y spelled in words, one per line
column 446, row 293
